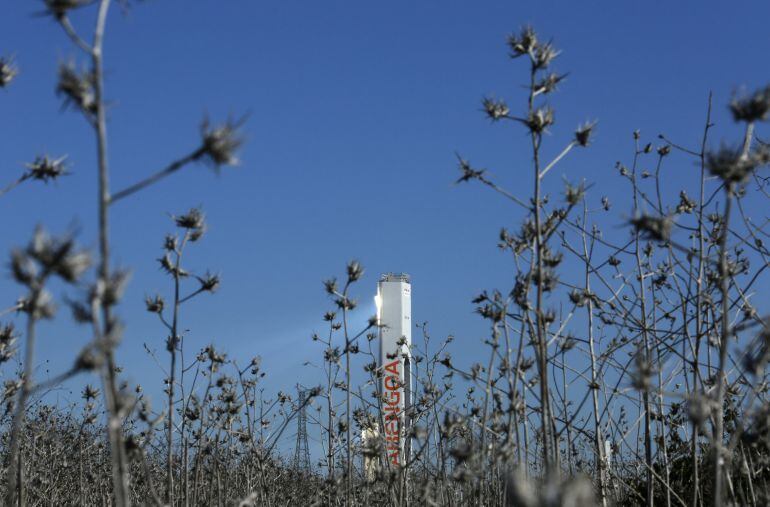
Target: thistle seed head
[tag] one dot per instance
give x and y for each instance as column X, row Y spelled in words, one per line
column 77, row 88
column 751, row 108
column 549, row 83
column 60, row 8
column 657, row 228
column 575, row 194
column 46, row 169
column 495, row 109
column 209, row 282
column 544, row 55
column 72, row 266
column 46, row 255
column 522, row 43
column 192, row 220
column 583, row 134
column 154, row 304
column 355, row 271
column 115, row 287
column 539, row 120
column 731, row 166
column 90, row 392
column 220, row 143
column 8, row 338
column 40, row 306
column 467, row 172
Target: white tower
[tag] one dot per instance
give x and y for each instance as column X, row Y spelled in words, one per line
column 394, row 315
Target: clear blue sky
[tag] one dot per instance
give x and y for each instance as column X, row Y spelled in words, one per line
column 356, row 111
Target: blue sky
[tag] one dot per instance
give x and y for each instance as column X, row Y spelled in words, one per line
column 356, row 111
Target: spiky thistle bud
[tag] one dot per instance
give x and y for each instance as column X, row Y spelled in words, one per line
column 46, row 169
column 540, row 119
column 522, row 43
column 495, row 109
column 549, row 83
column 90, row 392
column 544, row 55
column 467, row 172
column 583, row 133
column 209, row 282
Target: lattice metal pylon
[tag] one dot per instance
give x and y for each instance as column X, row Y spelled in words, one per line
column 302, row 451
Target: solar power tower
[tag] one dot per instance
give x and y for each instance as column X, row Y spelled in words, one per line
column 394, row 314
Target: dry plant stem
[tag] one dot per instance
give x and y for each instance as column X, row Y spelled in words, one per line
column 602, row 466
column 115, row 430
column 549, row 450
column 698, row 299
column 724, row 344
column 645, row 336
column 173, row 340
column 348, row 414
column 15, row 486
column 13, row 185
column 169, row 170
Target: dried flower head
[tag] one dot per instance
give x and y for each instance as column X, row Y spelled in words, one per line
column 642, row 373
column 549, row 83
column 60, row 8
column 575, row 194
column 657, row 228
column 544, row 55
column 540, row 119
column 495, row 109
column 40, row 305
column 522, row 43
column 751, row 108
column 81, row 312
column 732, row 166
column 209, row 282
column 46, row 255
column 90, row 392
column 193, row 220
column 583, row 133
column 8, row 338
column 355, row 271
column 8, row 71
column 154, row 304
column 468, row 172
column 115, row 287
column 170, row 243
column 78, row 88
column 46, row 169
column 330, row 286
column 220, row 143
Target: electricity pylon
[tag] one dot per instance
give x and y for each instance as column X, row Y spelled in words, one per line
column 302, row 451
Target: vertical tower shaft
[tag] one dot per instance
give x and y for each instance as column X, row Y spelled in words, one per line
column 302, row 450
column 394, row 313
